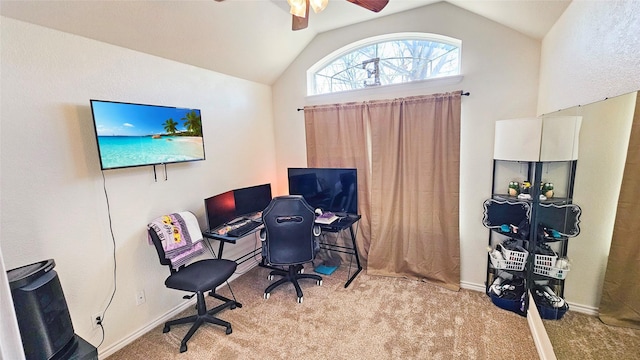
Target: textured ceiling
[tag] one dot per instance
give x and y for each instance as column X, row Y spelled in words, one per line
column 229, row 36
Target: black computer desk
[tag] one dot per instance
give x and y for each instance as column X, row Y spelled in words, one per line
column 344, row 223
column 224, row 239
column 231, row 240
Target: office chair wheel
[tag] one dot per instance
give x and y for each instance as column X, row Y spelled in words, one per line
column 300, row 300
column 266, row 295
column 183, row 348
column 166, row 329
column 319, row 282
column 270, row 277
column 228, row 331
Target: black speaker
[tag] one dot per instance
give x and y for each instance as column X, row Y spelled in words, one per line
column 43, row 317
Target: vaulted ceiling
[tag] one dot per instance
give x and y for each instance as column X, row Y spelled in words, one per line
column 249, row 39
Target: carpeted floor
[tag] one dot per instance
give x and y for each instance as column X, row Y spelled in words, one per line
column 585, row 337
column 374, row 318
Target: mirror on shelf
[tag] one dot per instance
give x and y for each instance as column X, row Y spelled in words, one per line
column 604, row 138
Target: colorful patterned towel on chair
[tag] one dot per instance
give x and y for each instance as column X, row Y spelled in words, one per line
column 174, row 231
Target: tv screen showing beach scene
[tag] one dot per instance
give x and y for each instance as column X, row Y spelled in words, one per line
column 137, row 135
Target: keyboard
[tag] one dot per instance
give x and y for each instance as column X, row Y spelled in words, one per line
column 243, row 229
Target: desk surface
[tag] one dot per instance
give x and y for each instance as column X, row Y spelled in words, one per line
column 341, row 224
column 227, row 238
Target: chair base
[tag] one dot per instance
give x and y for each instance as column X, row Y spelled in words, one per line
column 202, row 317
column 291, row 275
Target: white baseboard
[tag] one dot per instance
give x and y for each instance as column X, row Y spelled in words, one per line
column 589, row 310
column 145, row 329
column 472, row 286
column 539, row 333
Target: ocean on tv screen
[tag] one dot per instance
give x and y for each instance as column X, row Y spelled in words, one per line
column 125, row 151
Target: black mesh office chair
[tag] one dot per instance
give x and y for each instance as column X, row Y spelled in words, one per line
column 197, row 277
column 289, row 240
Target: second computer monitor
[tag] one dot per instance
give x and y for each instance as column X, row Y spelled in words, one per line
column 252, row 199
column 329, row 189
column 223, row 208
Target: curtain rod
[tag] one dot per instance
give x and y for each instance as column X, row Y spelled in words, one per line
column 461, row 93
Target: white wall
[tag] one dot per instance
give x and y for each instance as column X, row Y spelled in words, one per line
column 500, row 68
column 53, row 202
column 591, row 53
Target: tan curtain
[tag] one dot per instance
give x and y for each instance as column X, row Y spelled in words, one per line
column 620, row 304
column 407, row 152
column 336, row 137
column 415, row 188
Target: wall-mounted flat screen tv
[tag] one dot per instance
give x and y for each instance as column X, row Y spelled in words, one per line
column 328, row 189
column 137, row 135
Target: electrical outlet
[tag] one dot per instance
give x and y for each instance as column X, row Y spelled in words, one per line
column 96, row 320
column 140, row 299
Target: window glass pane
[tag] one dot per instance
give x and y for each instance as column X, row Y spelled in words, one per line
column 388, row 62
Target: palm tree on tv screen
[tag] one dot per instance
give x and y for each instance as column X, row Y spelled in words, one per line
column 193, row 123
column 170, row 126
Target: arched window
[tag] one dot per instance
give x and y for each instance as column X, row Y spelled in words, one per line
column 384, row 60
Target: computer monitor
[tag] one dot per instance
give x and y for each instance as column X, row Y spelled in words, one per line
column 225, row 207
column 220, row 209
column 252, row 199
column 328, row 189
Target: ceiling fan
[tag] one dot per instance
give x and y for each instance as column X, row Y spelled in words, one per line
column 300, row 9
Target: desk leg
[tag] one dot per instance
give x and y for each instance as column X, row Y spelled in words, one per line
column 355, row 251
column 231, row 303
